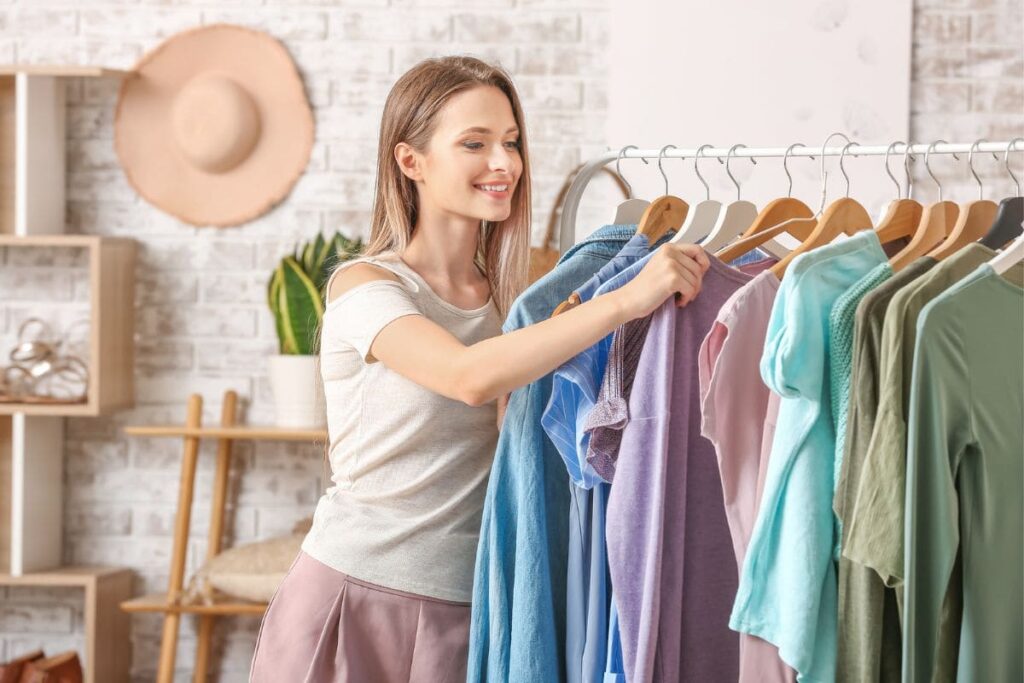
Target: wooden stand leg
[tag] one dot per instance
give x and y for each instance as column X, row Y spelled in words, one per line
column 169, row 640
column 220, row 493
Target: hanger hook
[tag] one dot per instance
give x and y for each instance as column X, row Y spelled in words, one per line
column 928, row 168
column 970, row 163
column 824, row 174
column 907, row 158
column 785, row 165
column 842, row 169
column 618, row 172
column 1006, row 158
column 661, row 155
column 888, row 171
column 728, row 156
column 696, row 169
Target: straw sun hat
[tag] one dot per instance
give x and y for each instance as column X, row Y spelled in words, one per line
column 213, row 126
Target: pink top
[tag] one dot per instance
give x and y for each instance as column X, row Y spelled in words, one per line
column 735, row 416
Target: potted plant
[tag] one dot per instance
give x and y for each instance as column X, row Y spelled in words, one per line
column 296, row 297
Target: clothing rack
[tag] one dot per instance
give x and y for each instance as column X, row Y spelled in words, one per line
column 567, row 227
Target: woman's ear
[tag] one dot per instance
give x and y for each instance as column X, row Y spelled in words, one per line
column 408, row 161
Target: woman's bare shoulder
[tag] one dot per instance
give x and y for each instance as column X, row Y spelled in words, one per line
column 355, row 275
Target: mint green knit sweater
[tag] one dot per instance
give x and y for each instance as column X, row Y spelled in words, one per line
column 841, row 335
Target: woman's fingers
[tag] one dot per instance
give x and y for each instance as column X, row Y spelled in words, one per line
column 695, row 252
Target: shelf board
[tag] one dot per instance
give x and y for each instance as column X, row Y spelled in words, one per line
column 64, row 576
column 158, row 602
column 84, row 241
column 250, row 432
column 51, row 409
column 62, row 70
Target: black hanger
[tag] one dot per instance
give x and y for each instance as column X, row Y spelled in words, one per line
column 1007, row 224
column 1009, row 216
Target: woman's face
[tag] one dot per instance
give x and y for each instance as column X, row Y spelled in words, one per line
column 472, row 164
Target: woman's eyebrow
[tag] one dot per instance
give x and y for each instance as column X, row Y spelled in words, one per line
column 479, row 129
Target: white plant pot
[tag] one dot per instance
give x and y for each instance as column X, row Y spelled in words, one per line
column 298, row 391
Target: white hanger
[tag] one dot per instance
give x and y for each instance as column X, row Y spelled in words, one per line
column 1008, row 257
column 701, row 218
column 736, row 217
column 629, row 211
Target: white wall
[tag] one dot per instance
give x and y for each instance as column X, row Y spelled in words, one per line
column 762, row 74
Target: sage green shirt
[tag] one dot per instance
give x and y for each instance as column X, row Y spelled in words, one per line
column 965, row 480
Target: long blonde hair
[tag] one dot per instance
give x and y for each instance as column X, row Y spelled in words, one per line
column 410, row 116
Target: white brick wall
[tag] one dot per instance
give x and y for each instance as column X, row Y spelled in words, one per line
column 202, row 323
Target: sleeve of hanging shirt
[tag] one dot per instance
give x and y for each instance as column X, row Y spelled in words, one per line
column 792, row 359
column 939, row 432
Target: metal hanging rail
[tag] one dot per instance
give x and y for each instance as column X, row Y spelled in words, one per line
column 567, row 226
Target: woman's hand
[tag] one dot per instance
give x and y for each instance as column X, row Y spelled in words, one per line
column 674, row 269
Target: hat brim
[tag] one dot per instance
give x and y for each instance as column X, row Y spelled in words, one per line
column 145, row 144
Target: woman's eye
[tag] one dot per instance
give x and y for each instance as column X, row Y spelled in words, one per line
column 512, row 144
column 472, row 145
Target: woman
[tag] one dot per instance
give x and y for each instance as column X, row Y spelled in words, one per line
column 414, row 365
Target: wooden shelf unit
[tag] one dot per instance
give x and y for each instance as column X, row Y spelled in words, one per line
column 169, row 603
column 33, row 213
column 106, row 627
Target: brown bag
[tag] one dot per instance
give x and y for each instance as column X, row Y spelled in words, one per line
column 544, row 257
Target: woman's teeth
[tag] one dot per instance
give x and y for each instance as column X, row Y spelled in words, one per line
column 493, row 188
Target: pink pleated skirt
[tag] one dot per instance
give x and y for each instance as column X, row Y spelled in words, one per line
column 322, row 626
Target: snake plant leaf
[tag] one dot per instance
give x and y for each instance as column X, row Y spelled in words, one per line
column 273, row 298
column 302, row 308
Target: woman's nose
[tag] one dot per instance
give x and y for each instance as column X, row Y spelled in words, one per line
column 501, row 160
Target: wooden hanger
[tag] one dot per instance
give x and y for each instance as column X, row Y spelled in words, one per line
column 1010, row 216
column 629, row 211
column 701, row 218
column 736, row 217
column 665, row 213
column 788, row 214
column 662, row 215
column 974, row 220
column 903, row 215
column 800, row 224
column 937, row 221
column 845, row 216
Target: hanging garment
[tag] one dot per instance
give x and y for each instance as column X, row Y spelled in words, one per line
column 879, row 501
column 669, row 549
column 734, row 404
column 574, row 390
column 869, row 633
column 840, row 360
column 517, row 631
column 881, row 494
column 965, row 474
column 606, row 420
column 787, row 591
